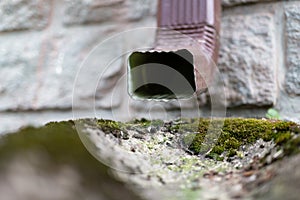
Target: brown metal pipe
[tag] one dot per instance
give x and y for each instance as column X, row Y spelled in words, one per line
column 187, row 42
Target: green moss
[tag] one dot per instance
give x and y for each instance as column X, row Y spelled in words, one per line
column 59, row 141
column 292, row 146
column 191, row 194
column 215, row 156
column 232, row 143
column 282, row 138
column 187, row 164
column 236, row 132
column 174, row 128
column 117, row 129
column 218, row 149
column 108, row 126
column 185, row 126
column 142, row 122
column 232, row 152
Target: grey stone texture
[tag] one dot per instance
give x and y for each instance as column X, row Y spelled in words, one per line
column 11, row 121
column 246, row 59
column 41, row 75
column 87, row 11
column 138, row 9
column 101, row 11
column 47, row 62
column 19, row 75
column 76, row 69
column 63, row 61
column 238, row 2
column 24, row 14
column 286, row 182
column 98, row 74
column 292, row 24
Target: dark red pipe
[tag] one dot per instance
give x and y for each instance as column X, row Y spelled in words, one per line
column 185, row 27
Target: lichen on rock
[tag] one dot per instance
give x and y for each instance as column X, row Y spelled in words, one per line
column 174, row 159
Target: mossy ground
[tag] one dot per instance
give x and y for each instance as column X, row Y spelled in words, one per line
column 60, row 144
column 236, row 132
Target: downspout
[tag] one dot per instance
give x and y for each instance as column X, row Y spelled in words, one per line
column 182, row 62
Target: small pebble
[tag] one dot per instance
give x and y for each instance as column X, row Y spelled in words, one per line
column 278, row 154
column 152, row 129
column 248, row 173
column 138, row 136
column 132, row 149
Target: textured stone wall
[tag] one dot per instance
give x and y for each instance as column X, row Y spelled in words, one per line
column 44, row 42
column 259, row 56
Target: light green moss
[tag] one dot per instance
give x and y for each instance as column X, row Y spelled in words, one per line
column 144, row 123
column 236, row 132
column 108, row 126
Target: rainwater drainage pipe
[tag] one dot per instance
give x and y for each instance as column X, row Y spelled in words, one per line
column 182, row 61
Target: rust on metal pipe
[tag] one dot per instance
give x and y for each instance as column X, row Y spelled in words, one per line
column 186, row 48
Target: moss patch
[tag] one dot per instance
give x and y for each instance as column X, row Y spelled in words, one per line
column 144, row 123
column 236, row 132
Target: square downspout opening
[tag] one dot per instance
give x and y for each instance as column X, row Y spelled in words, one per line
column 159, row 75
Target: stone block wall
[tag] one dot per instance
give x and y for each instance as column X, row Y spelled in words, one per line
column 44, row 42
column 259, row 56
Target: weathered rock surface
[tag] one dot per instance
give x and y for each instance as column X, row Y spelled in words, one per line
column 138, row 9
column 37, row 68
column 146, row 155
column 246, row 59
column 65, row 55
column 292, row 15
column 237, row 2
column 149, row 155
column 24, row 14
column 18, row 73
column 41, row 75
column 286, row 181
column 86, row 11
